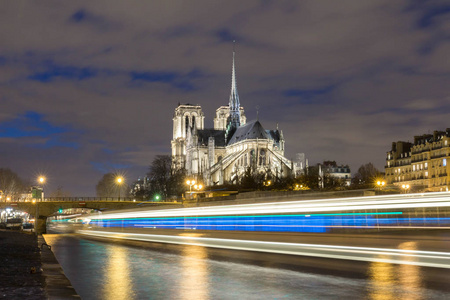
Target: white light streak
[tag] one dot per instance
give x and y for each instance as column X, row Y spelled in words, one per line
column 396, row 256
column 441, row 199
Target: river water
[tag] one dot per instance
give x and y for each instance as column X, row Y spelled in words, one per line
column 103, row 270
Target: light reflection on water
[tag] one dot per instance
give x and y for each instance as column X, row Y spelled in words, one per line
column 383, row 280
column 100, row 270
column 194, row 280
column 390, row 281
column 118, row 282
column 410, row 276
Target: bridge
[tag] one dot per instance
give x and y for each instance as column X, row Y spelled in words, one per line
column 50, row 206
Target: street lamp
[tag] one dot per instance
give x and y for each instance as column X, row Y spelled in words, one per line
column 119, row 181
column 198, row 187
column 190, row 183
column 41, row 180
column 381, row 184
column 405, row 187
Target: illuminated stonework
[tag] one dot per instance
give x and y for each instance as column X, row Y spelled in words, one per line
column 224, row 153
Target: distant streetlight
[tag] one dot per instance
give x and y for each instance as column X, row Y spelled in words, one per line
column 405, row 187
column 119, row 181
column 381, row 184
column 41, row 181
column 198, row 187
column 190, row 183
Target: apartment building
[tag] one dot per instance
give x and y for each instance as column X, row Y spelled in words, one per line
column 422, row 165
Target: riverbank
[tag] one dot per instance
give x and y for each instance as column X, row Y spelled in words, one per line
column 28, row 271
column 20, row 266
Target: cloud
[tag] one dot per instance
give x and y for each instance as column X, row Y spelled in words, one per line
column 63, row 72
column 342, row 78
column 31, row 125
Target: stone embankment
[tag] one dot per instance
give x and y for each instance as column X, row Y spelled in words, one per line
column 29, row 270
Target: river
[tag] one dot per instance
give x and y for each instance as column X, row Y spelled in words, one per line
column 104, row 270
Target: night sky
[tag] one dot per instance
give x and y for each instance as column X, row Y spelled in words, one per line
column 90, row 87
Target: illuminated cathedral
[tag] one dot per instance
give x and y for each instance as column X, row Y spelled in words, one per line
column 224, row 153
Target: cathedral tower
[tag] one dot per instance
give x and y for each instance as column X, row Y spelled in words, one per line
column 186, row 116
column 234, row 119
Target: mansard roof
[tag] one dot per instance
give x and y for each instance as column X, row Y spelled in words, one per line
column 249, row 131
column 205, row 134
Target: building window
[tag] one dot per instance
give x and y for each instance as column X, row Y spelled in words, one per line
column 414, row 167
column 426, row 166
column 444, row 162
column 426, row 174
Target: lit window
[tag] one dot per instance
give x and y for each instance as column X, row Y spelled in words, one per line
column 426, row 174
column 444, row 162
column 414, row 167
column 426, row 165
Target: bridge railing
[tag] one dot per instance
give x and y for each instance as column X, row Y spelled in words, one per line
column 106, row 199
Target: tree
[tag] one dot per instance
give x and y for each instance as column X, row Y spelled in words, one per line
column 366, row 175
column 108, row 186
column 10, row 183
column 310, row 178
column 60, row 193
column 165, row 180
column 248, row 181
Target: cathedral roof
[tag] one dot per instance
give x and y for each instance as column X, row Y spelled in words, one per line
column 251, row 130
column 274, row 135
column 205, row 134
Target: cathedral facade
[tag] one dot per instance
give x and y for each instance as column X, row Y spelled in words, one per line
column 224, row 153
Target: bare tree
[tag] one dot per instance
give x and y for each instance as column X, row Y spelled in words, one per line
column 108, row 186
column 366, row 175
column 60, row 192
column 164, row 179
column 10, row 183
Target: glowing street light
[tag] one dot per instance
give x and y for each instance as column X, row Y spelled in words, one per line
column 190, row 183
column 381, row 184
column 119, row 181
column 405, row 187
column 198, row 187
column 41, row 181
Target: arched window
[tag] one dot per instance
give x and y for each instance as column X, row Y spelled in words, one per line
column 262, row 157
column 187, row 123
column 193, row 121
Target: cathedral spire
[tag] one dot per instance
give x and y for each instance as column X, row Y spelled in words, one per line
column 235, row 115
